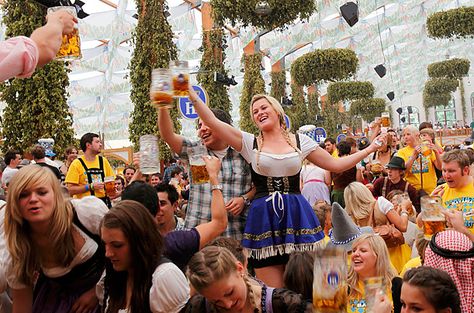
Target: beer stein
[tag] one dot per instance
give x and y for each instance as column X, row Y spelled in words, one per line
column 199, row 174
column 180, row 78
column 432, row 216
column 329, row 284
column 161, row 92
column 71, row 46
column 109, row 182
column 149, row 155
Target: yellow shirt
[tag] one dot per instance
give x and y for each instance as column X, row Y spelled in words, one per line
column 399, row 256
column 415, row 262
column 77, row 175
column 461, row 199
column 335, row 154
column 413, row 176
column 358, row 304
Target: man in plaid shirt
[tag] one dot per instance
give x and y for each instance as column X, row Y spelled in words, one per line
column 234, row 175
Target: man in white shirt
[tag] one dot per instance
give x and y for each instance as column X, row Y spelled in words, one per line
column 12, row 159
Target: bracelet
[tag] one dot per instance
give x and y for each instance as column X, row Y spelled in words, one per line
column 87, row 187
column 404, row 213
column 216, row 187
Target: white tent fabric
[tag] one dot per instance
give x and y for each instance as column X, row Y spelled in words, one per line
column 389, row 32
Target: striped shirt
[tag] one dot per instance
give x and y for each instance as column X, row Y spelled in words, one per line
column 236, row 180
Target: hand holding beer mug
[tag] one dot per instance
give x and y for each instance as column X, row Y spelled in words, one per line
column 161, row 91
column 329, row 284
column 374, row 287
column 71, row 46
column 197, row 165
column 149, row 155
column 385, row 119
column 432, row 216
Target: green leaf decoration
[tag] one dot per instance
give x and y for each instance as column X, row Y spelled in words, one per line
column 458, row 23
column 435, row 99
column 324, row 65
column 341, row 91
column 243, row 11
column 278, row 85
column 368, row 109
column 441, row 85
column 213, row 61
column 36, row 107
column 154, row 48
column 253, row 84
column 453, row 68
column 298, row 112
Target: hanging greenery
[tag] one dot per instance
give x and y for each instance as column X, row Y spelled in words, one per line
column 451, row 23
column 435, row 99
column 154, row 48
column 341, row 91
column 324, row 65
column 463, row 99
column 313, row 105
column 278, row 85
column 441, row 85
column 298, row 114
column 332, row 118
column 36, row 107
column 244, row 11
column 213, row 61
column 253, row 84
column 368, row 109
column 453, row 68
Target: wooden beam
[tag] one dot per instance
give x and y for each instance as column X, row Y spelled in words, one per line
column 109, row 3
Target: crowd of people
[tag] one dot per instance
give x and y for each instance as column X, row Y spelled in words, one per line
column 246, row 240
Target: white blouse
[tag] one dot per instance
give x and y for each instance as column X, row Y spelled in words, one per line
column 276, row 165
column 90, row 211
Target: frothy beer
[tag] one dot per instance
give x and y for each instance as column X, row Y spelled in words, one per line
column 433, row 225
column 199, row 173
column 109, row 187
column 161, row 98
column 181, row 85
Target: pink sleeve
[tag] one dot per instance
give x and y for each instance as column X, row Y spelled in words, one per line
column 18, row 57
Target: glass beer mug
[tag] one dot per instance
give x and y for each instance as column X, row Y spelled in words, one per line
column 180, row 74
column 199, row 174
column 71, row 46
column 329, row 284
column 432, row 216
column 161, row 92
column 149, row 155
column 385, row 119
column 109, row 182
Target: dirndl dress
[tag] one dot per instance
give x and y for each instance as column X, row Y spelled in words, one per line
column 280, row 220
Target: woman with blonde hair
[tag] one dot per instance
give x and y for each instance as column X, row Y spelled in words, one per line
column 370, row 258
column 55, row 237
column 365, row 210
column 280, row 220
column 224, row 286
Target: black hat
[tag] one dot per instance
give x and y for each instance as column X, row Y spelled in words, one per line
column 396, row 162
column 363, row 143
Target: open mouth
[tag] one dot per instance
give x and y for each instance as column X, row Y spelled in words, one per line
column 34, row 210
column 205, row 136
column 262, row 119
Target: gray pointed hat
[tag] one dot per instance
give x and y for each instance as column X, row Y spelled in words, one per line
column 344, row 231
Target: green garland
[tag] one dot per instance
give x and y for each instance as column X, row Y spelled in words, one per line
column 453, row 68
column 243, row 11
column 154, row 48
column 332, row 117
column 441, row 85
column 452, row 23
column 36, row 107
column 324, row 65
column 340, row 91
column 298, row 113
column 278, row 85
column 368, row 109
column 313, row 105
column 435, row 99
column 463, row 99
column 213, row 61
column 253, row 84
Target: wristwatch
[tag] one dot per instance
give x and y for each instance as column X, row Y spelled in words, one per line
column 216, row 187
column 246, row 200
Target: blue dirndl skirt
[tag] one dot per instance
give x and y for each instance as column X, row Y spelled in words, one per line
column 279, row 224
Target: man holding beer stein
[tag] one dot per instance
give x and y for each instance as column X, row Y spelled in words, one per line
column 235, row 174
column 458, row 192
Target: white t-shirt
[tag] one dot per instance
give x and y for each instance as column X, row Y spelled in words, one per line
column 384, row 205
column 276, row 165
column 90, row 211
column 7, row 174
column 169, row 291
